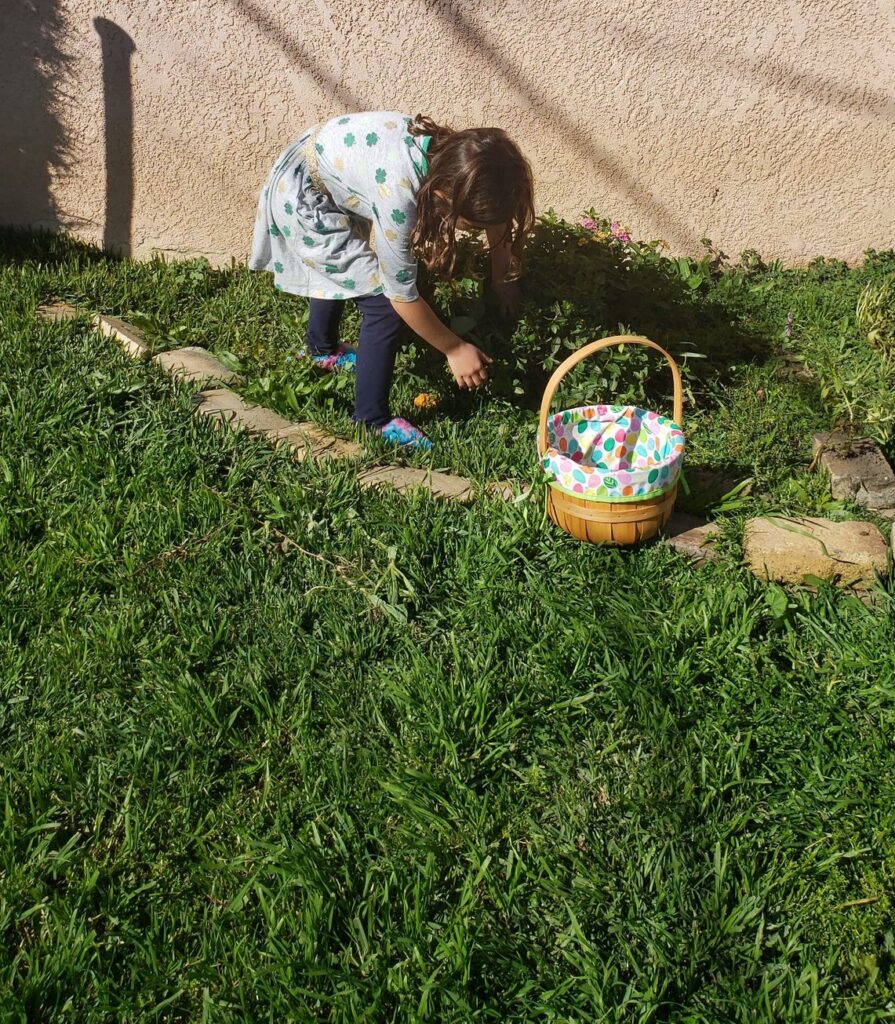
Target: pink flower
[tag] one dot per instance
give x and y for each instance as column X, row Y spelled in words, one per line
column 619, row 233
column 590, row 224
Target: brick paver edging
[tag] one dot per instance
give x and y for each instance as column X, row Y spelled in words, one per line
column 222, row 406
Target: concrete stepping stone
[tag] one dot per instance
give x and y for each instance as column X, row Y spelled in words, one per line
column 225, row 407
column 692, row 537
column 858, row 471
column 307, row 440
column 56, row 311
column 128, row 337
column 403, row 480
column 195, row 365
column 788, row 549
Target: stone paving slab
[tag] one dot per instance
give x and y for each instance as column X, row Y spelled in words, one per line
column 195, row 365
column 56, row 311
column 128, row 337
column 307, row 440
column 692, row 537
column 858, row 471
column 224, row 407
column 790, row 548
column 303, row 439
column 403, row 480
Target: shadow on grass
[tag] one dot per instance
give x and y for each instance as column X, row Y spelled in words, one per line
column 19, row 245
column 577, row 289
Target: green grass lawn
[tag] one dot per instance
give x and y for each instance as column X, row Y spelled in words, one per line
column 424, row 762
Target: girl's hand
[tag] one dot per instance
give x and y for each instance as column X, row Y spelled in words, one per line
column 468, row 364
column 509, row 297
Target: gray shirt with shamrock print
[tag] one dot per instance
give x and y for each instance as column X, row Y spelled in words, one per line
column 337, row 212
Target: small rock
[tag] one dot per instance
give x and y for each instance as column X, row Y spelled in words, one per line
column 56, row 311
column 507, row 490
column 692, row 537
column 128, row 337
column 858, row 471
column 793, row 365
column 195, row 364
column 788, row 549
column 402, row 480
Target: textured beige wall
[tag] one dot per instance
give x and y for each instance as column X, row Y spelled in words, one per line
column 762, row 123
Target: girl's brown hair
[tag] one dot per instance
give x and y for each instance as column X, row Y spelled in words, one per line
column 483, row 178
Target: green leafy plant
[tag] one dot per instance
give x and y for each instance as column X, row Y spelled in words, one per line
column 875, row 312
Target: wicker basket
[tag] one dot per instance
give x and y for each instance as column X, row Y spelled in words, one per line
column 608, row 522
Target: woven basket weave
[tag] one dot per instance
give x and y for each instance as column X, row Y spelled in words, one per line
column 597, row 521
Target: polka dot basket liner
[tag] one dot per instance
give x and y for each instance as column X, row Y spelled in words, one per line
column 617, row 453
column 613, row 469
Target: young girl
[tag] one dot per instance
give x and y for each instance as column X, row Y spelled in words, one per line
column 351, row 206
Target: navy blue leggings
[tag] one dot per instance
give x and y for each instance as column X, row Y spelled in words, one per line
column 379, row 341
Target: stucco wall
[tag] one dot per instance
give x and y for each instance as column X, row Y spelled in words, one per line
column 767, row 124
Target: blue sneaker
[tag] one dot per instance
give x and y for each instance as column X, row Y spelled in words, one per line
column 399, row 431
column 344, row 358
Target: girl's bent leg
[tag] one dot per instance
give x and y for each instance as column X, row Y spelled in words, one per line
column 379, row 341
column 323, row 326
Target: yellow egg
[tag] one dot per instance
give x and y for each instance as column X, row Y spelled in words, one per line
column 384, row 191
column 390, row 235
column 404, row 183
column 352, row 202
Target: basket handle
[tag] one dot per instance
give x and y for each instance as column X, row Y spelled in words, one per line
column 588, row 350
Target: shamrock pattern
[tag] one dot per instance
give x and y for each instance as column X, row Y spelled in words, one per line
column 367, row 174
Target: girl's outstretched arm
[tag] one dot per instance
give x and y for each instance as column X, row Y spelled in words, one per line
column 468, row 363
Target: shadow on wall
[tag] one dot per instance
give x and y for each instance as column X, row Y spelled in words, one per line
column 331, row 84
column 118, row 112
column 588, row 148
column 33, row 146
column 498, row 65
